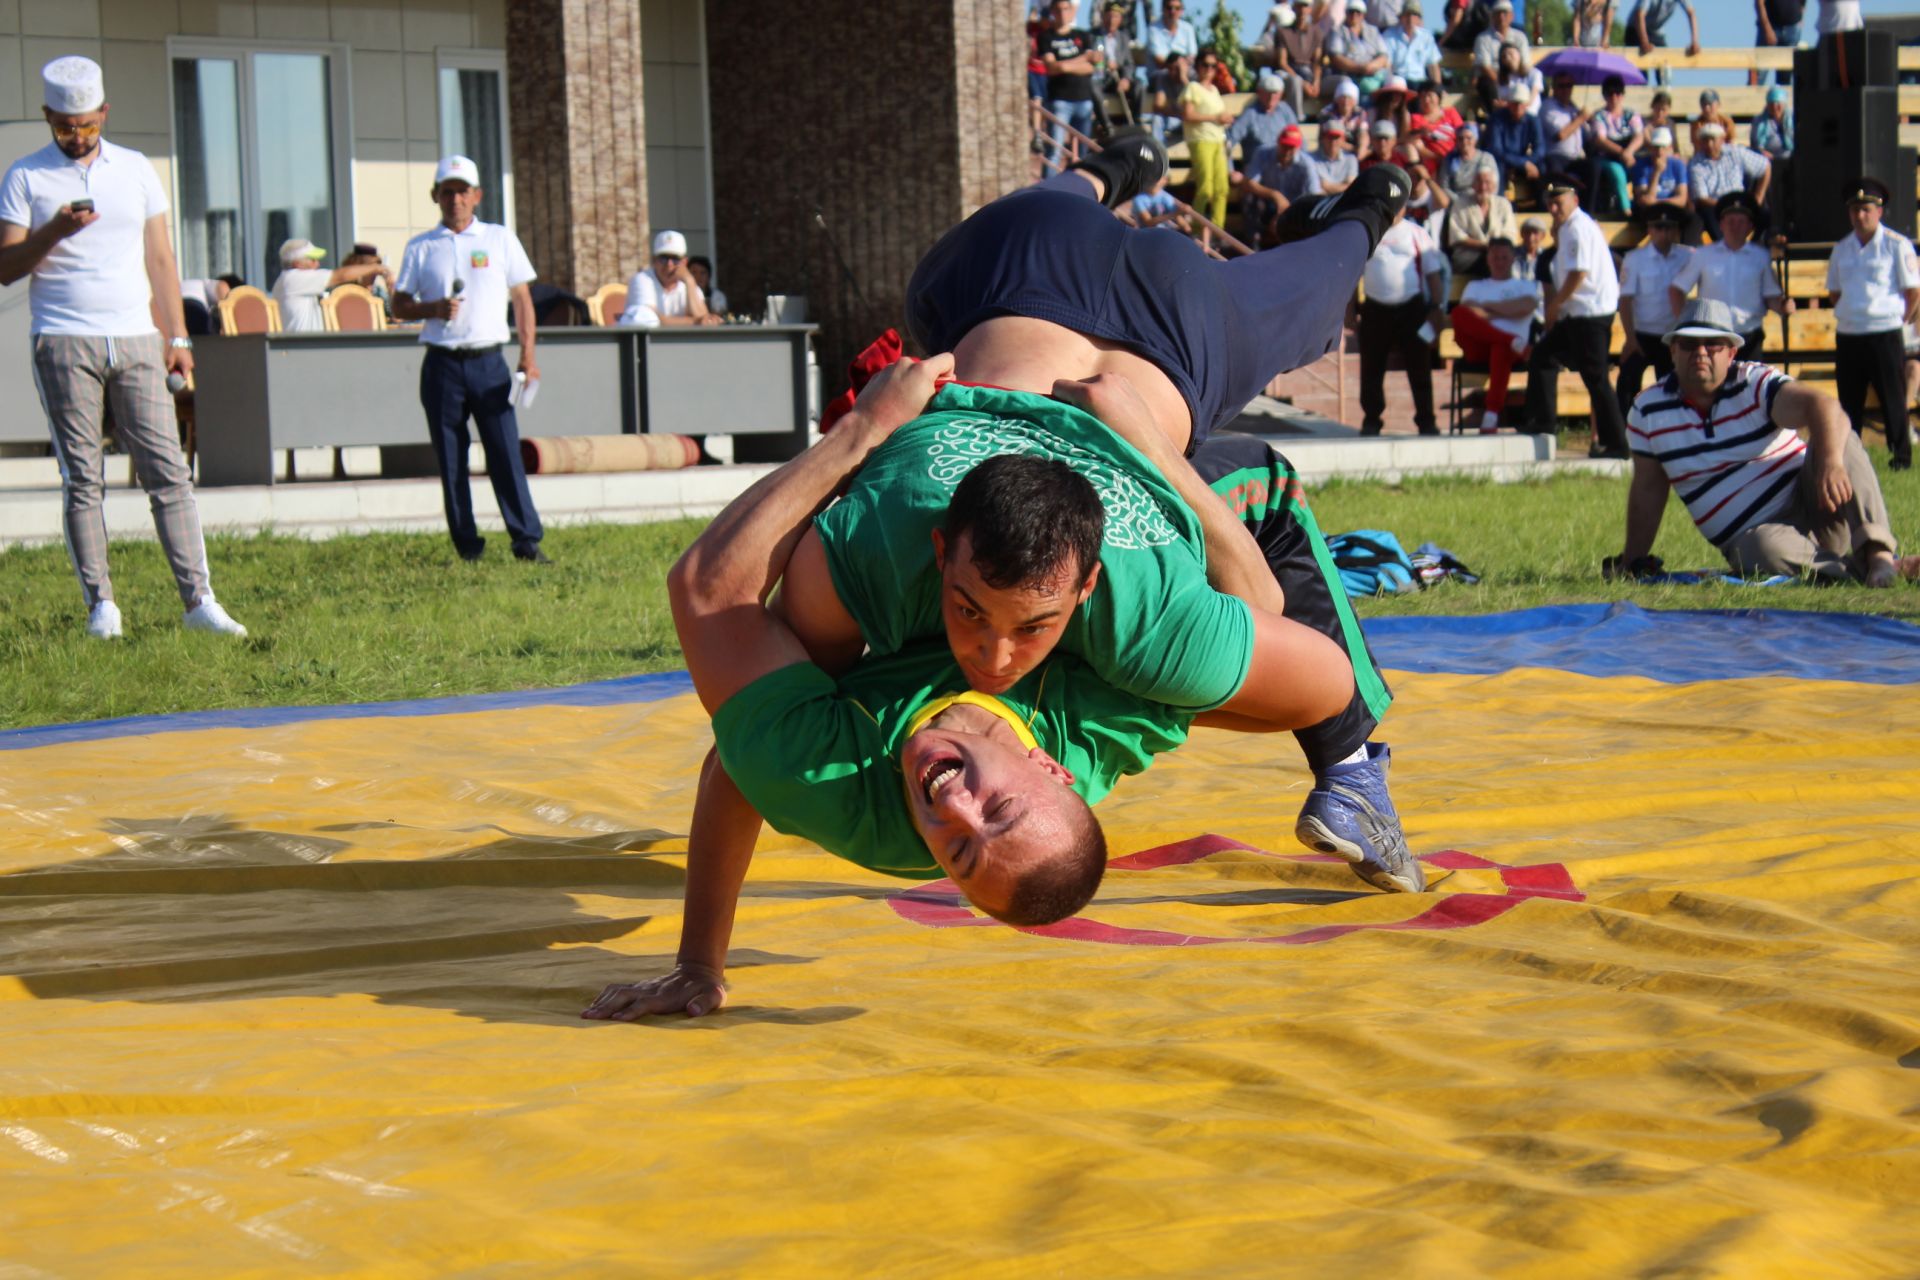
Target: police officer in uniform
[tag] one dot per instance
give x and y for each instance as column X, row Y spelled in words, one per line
column 1873, row 286
column 458, row 278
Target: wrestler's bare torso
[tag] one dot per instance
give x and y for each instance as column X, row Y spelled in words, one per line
column 1023, row 354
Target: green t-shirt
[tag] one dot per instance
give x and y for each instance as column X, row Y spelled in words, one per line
column 1153, row 627
column 822, row 761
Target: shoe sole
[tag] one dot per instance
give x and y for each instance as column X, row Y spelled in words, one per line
column 1315, row 834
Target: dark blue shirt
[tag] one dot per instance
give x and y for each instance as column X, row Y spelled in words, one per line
column 1514, row 142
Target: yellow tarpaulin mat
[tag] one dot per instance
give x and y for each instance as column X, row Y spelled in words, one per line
column 301, row 998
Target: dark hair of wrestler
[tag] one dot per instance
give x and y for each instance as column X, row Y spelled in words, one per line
column 1026, row 519
column 1056, row 889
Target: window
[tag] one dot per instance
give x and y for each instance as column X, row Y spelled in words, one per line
column 473, row 123
column 257, row 161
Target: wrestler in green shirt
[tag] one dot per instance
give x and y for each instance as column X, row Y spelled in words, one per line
column 1152, row 627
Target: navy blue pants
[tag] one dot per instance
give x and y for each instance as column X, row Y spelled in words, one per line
column 480, row 387
column 1220, row 330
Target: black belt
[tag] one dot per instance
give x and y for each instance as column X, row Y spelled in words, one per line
column 466, row 353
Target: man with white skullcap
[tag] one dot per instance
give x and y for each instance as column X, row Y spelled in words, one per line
column 87, row 219
column 459, row 278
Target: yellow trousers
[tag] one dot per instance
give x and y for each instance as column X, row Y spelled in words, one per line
column 1209, row 160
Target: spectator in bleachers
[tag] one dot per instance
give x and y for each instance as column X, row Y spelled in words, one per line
column 1434, row 129
column 1334, row 167
column 1406, row 290
column 1459, row 171
column 1721, row 168
column 1297, row 54
column 1165, row 118
column 1535, row 256
column 1777, row 26
column 1346, row 111
column 1390, row 103
column 1172, row 35
column 1565, row 124
column 1356, row 50
column 1494, row 325
column 364, row 254
column 1384, row 13
column 1475, row 223
column 1204, row 113
column 1660, row 185
column 1500, row 33
column 1263, row 120
column 1647, row 25
column 1073, row 61
column 1660, row 115
column 1120, row 77
column 1772, row 133
column 663, row 293
column 1646, row 308
column 700, row 267
column 1515, row 137
column 1711, row 112
column 1614, row 139
column 302, row 282
column 1429, row 202
column 1157, row 208
column 1737, row 272
column 1411, row 52
column 1383, row 140
column 1513, row 68
column 1873, row 286
column 1592, row 23
column 1275, row 177
column 1580, row 311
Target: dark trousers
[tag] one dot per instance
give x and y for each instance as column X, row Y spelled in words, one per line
column 1653, row 354
column 1383, row 330
column 1876, row 360
column 1262, row 488
column 452, row 390
column 1578, row 343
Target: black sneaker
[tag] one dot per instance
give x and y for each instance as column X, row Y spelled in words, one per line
column 532, row 554
column 1376, row 197
column 1132, row 164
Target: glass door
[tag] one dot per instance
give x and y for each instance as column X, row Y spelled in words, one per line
column 208, row 212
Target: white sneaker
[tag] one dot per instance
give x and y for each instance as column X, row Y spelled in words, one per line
column 209, row 616
column 1490, row 424
column 103, row 621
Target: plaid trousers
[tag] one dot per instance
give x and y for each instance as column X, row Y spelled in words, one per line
column 78, row 378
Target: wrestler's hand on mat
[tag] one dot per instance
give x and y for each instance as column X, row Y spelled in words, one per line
column 691, row 989
column 899, row 393
column 1113, row 399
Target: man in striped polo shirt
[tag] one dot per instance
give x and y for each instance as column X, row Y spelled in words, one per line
column 1724, row 433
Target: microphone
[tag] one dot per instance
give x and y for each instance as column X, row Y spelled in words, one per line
column 458, row 285
column 176, row 382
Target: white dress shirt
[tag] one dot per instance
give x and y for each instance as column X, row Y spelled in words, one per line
column 488, row 262
column 1405, row 256
column 1743, row 280
column 1872, row 280
column 1648, row 273
column 298, row 290
column 93, row 283
column 1580, row 245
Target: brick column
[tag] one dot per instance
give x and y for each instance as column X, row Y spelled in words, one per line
column 891, row 122
column 579, row 138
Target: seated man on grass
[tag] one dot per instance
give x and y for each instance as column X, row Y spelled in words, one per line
column 1724, row 433
column 784, row 729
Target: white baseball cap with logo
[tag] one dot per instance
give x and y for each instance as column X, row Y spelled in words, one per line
column 670, row 243
column 457, row 169
column 73, row 85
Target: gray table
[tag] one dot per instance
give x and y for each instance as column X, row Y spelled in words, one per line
column 258, row 393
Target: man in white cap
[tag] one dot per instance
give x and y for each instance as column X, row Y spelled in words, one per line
column 1873, row 286
column 87, row 219
column 1260, row 122
column 458, row 278
column 1724, row 433
column 302, row 282
column 663, row 293
column 1722, row 167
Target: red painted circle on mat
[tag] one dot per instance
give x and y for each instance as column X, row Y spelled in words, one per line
column 940, row 905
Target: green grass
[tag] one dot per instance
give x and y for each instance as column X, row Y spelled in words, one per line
column 398, row 616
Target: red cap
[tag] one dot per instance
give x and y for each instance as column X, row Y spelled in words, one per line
column 1291, row 136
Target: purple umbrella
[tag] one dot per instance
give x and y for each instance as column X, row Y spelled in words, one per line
column 1589, row 66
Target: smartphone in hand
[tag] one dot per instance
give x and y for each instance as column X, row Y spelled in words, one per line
column 82, row 206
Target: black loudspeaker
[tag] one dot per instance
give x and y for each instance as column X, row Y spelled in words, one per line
column 1840, row 135
column 1847, row 60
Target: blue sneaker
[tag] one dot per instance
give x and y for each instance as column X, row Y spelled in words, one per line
column 1350, row 813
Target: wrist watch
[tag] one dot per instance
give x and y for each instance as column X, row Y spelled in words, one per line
column 180, row 344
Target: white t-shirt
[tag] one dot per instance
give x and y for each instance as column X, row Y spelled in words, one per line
column 648, row 303
column 717, row 301
column 1648, row 273
column 1405, row 255
column 486, row 259
column 1839, row 15
column 93, row 283
column 1743, row 280
column 298, row 290
column 1482, row 292
column 1871, row 280
column 1582, row 246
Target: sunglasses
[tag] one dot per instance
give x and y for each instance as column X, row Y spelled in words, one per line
column 1704, row 344
column 76, row 130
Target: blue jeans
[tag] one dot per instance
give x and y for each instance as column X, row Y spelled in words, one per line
column 1077, row 114
column 1785, row 38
